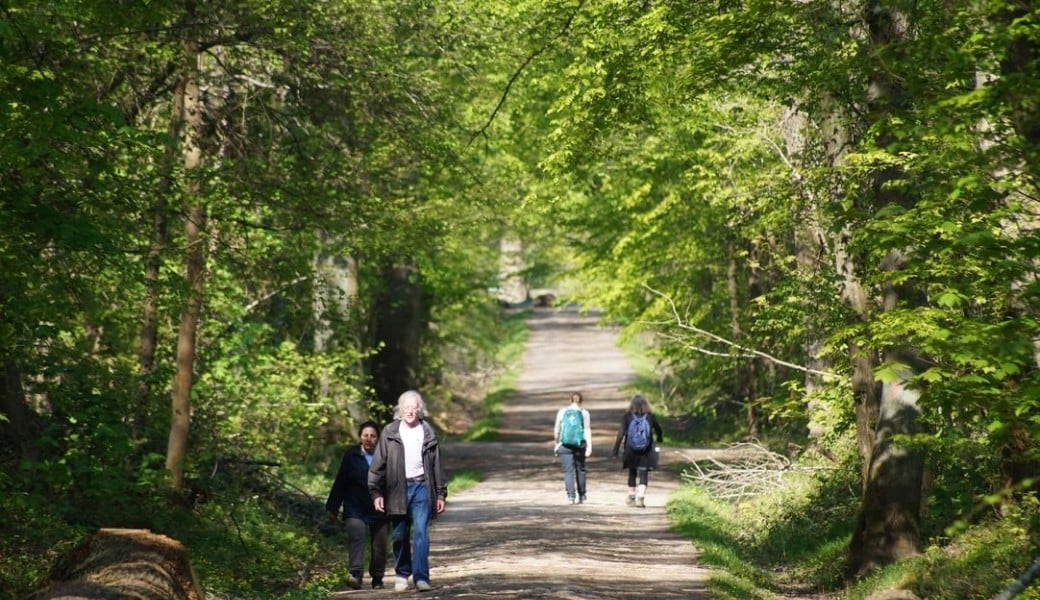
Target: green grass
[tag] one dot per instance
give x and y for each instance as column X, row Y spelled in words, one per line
column 714, row 529
column 464, row 480
column 798, row 538
column 32, row 536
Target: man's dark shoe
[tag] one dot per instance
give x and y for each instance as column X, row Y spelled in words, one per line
column 377, row 584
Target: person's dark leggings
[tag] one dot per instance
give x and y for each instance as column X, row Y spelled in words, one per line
column 643, row 475
column 357, row 532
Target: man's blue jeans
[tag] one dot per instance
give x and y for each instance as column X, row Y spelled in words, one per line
column 411, row 535
column 572, row 461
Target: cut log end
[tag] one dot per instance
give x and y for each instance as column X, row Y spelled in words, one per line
column 124, row 563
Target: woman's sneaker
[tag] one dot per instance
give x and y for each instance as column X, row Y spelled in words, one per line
column 631, row 501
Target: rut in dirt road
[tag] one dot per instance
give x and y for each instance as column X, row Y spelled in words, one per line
column 514, row 535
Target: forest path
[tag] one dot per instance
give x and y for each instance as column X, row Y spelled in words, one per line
column 514, row 536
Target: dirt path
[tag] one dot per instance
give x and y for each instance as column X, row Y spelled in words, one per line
column 514, row 536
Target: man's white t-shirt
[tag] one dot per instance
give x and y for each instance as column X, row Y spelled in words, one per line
column 412, row 438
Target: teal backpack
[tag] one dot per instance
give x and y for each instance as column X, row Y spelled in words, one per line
column 572, row 429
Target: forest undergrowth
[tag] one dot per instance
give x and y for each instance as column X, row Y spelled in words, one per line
column 781, row 527
column 254, row 530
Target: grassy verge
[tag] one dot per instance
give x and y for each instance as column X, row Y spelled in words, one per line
column 464, row 480
column 503, row 385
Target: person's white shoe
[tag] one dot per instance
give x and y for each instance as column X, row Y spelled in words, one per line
column 401, row 584
column 422, row 586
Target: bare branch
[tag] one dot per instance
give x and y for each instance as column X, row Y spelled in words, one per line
column 516, row 74
column 746, row 352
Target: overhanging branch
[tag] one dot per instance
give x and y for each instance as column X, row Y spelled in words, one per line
column 742, row 351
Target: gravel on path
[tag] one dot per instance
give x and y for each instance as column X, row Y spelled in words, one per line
column 513, row 535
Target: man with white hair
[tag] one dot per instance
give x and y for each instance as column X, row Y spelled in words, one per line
column 407, row 482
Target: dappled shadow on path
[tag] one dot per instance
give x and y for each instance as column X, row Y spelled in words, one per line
column 513, row 535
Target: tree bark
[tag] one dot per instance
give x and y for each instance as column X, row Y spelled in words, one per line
column 888, row 524
column 1022, row 60
column 123, row 563
column 180, row 420
column 335, row 296
column 148, row 340
column 511, row 286
column 742, row 371
column 1023, row 54
column 865, row 392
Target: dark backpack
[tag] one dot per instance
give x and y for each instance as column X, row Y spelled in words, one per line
column 572, row 428
column 638, row 435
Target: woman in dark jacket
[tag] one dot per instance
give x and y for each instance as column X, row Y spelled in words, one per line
column 640, row 456
column 362, row 519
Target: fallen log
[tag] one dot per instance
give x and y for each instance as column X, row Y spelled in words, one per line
column 126, row 564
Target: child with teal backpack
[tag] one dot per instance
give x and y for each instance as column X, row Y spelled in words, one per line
column 573, row 434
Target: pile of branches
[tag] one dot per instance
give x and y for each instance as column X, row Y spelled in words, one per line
column 743, row 470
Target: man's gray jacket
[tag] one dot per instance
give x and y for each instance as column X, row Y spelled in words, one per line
column 386, row 476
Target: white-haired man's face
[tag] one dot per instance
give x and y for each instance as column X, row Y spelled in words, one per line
column 410, row 410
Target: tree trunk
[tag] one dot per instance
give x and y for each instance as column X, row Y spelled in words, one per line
column 123, row 563
column 809, row 248
column 180, row 420
column 335, row 296
column 399, row 320
column 865, row 392
column 810, row 242
column 742, row 371
column 888, row 524
column 18, row 428
column 887, row 527
column 1023, row 56
column 1022, row 59
column 511, row 286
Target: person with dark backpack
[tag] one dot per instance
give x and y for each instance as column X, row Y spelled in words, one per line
column 573, row 433
column 637, row 430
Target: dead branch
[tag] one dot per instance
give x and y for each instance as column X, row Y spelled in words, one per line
column 747, row 352
column 748, row 470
